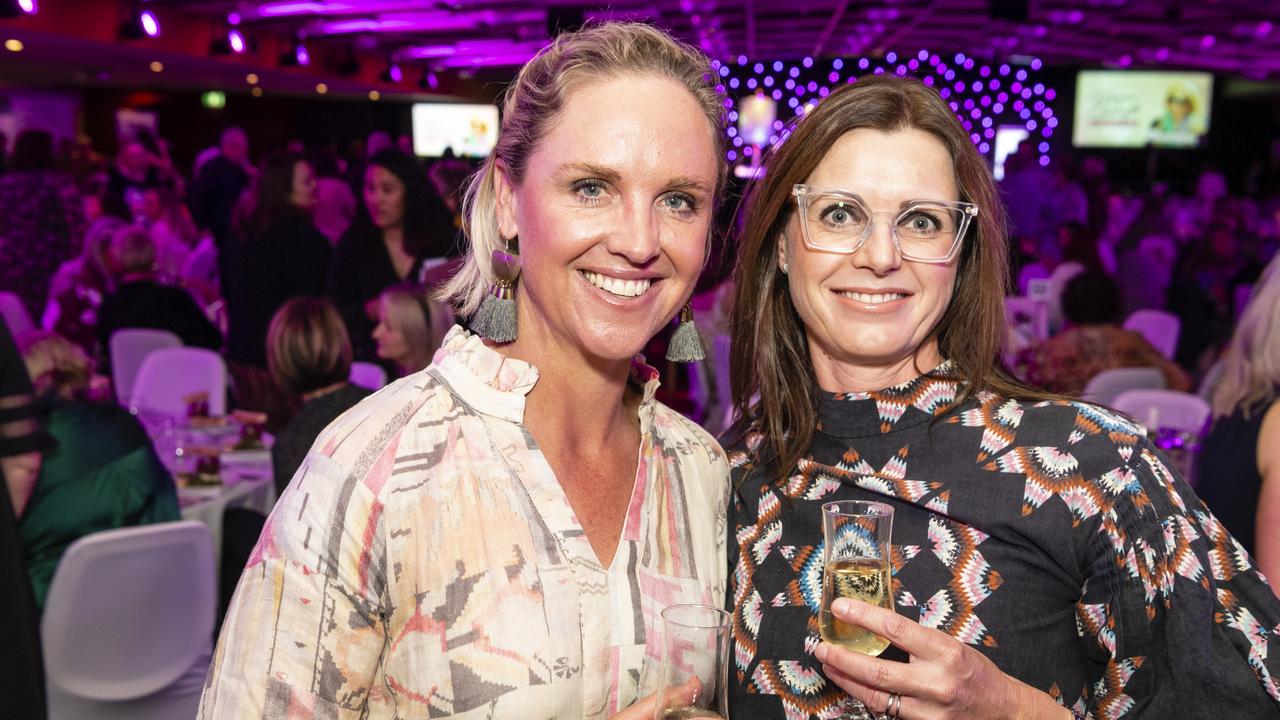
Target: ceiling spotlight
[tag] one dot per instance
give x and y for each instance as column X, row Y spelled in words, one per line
column 429, row 81
column 257, row 91
column 392, row 74
column 13, row 45
column 321, row 88
column 17, row 8
column 156, row 66
column 139, row 25
column 298, row 55
column 236, row 40
column 251, row 78
column 374, row 95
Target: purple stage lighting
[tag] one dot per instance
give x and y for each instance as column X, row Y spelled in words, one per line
column 236, row 41
column 150, row 25
column 28, row 6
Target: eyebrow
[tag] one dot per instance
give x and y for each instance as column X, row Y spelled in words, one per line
column 680, row 182
column 901, row 206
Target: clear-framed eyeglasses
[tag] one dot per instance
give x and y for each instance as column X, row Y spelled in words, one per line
column 837, row 221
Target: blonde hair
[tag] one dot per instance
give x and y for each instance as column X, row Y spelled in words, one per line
column 533, row 101
column 56, row 365
column 422, row 320
column 1251, row 366
column 307, row 346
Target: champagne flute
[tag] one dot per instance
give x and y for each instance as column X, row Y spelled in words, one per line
column 695, row 644
column 856, row 557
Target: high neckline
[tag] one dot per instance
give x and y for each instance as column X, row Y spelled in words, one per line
column 876, row 412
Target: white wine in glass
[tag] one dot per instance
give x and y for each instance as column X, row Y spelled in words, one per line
column 690, row 713
column 860, row 578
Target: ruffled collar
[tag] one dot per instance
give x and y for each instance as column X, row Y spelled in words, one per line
column 865, row 414
column 497, row 385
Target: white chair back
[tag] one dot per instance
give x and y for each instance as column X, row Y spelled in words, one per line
column 167, row 376
column 127, row 623
column 1104, row 387
column 370, row 376
column 1170, row 409
column 1158, row 327
column 15, row 314
column 129, row 347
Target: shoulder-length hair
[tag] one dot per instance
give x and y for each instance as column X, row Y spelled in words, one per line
column 428, row 226
column 307, row 346
column 271, row 199
column 1251, row 366
column 422, row 320
column 533, row 102
column 770, row 354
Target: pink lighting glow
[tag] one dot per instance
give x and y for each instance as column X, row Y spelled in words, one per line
column 150, row 25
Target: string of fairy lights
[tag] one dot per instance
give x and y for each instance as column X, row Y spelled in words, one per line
column 987, row 97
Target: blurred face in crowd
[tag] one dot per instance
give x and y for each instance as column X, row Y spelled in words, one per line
column 612, row 215
column 391, row 342
column 149, row 205
column 383, row 197
column 134, row 159
column 235, row 146
column 304, row 193
column 872, row 310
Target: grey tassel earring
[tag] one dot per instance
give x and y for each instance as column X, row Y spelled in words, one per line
column 496, row 318
column 686, row 343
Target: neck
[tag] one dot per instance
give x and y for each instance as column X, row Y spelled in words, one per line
column 393, row 236
column 840, row 376
column 581, row 399
column 324, row 390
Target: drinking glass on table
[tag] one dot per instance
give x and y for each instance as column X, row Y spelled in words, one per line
column 695, row 644
column 856, row 565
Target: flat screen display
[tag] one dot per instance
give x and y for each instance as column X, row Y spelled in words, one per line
column 467, row 130
column 1132, row 109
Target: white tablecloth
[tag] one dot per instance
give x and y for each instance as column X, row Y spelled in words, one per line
column 246, row 483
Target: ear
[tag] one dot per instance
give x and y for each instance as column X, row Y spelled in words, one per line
column 507, row 203
column 783, row 261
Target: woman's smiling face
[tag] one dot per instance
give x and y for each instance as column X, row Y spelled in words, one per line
column 612, row 215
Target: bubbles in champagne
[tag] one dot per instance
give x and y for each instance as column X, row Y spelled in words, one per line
column 865, row 579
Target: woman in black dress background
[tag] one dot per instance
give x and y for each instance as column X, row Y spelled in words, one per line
column 400, row 225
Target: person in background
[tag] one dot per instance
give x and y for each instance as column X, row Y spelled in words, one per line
column 22, row 440
column 133, row 172
column 140, row 301
column 277, row 254
column 1238, row 465
column 497, row 535
column 1093, row 341
column 104, row 472
column 169, row 223
column 411, row 326
column 335, row 203
column 309, row 354
column 4, row 153
column 78, row 288
column 398, row 227
column 41, row 220
column 218, row 185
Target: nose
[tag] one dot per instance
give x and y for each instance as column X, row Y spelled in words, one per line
column 638, row 235
column 879, row 253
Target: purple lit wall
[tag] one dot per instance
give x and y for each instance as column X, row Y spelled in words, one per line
column 983, row 96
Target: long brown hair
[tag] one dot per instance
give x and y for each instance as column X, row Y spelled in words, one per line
column 770, row 356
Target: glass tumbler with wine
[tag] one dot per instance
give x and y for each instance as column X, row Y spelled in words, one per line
column 856, row 557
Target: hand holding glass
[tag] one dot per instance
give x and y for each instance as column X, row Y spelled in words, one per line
column 695, row 647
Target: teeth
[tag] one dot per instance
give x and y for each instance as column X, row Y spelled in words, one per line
column 619, row 287
column 873, row 299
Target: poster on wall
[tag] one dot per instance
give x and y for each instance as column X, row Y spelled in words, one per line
column 129, row 122
column 1133, row 109
column 53, row 111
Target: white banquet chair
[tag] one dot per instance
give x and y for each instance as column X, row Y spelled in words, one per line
column 15, row 314
column 167, row 376
column 1107, row 385
column 128, row 623
column 1164, row 409
column 367, row 375
column 129, row 347
column 1158, row 327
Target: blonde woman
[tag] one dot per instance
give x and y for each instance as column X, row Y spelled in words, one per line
column 496, row 535
column 1238, row 467
column 411, row 327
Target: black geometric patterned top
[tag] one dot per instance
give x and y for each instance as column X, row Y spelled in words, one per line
column 1052, row 537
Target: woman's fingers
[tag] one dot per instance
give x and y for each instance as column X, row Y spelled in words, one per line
column 680, row 696
column 877, row 700
column 887, row 675
column 919, row 641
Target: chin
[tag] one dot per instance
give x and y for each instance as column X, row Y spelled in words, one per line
column 615, row 343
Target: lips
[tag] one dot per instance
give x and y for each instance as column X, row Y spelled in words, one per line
column 617, row 286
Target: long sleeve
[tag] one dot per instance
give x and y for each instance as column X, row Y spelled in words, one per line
column 307, row 627
column 1173, row 609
